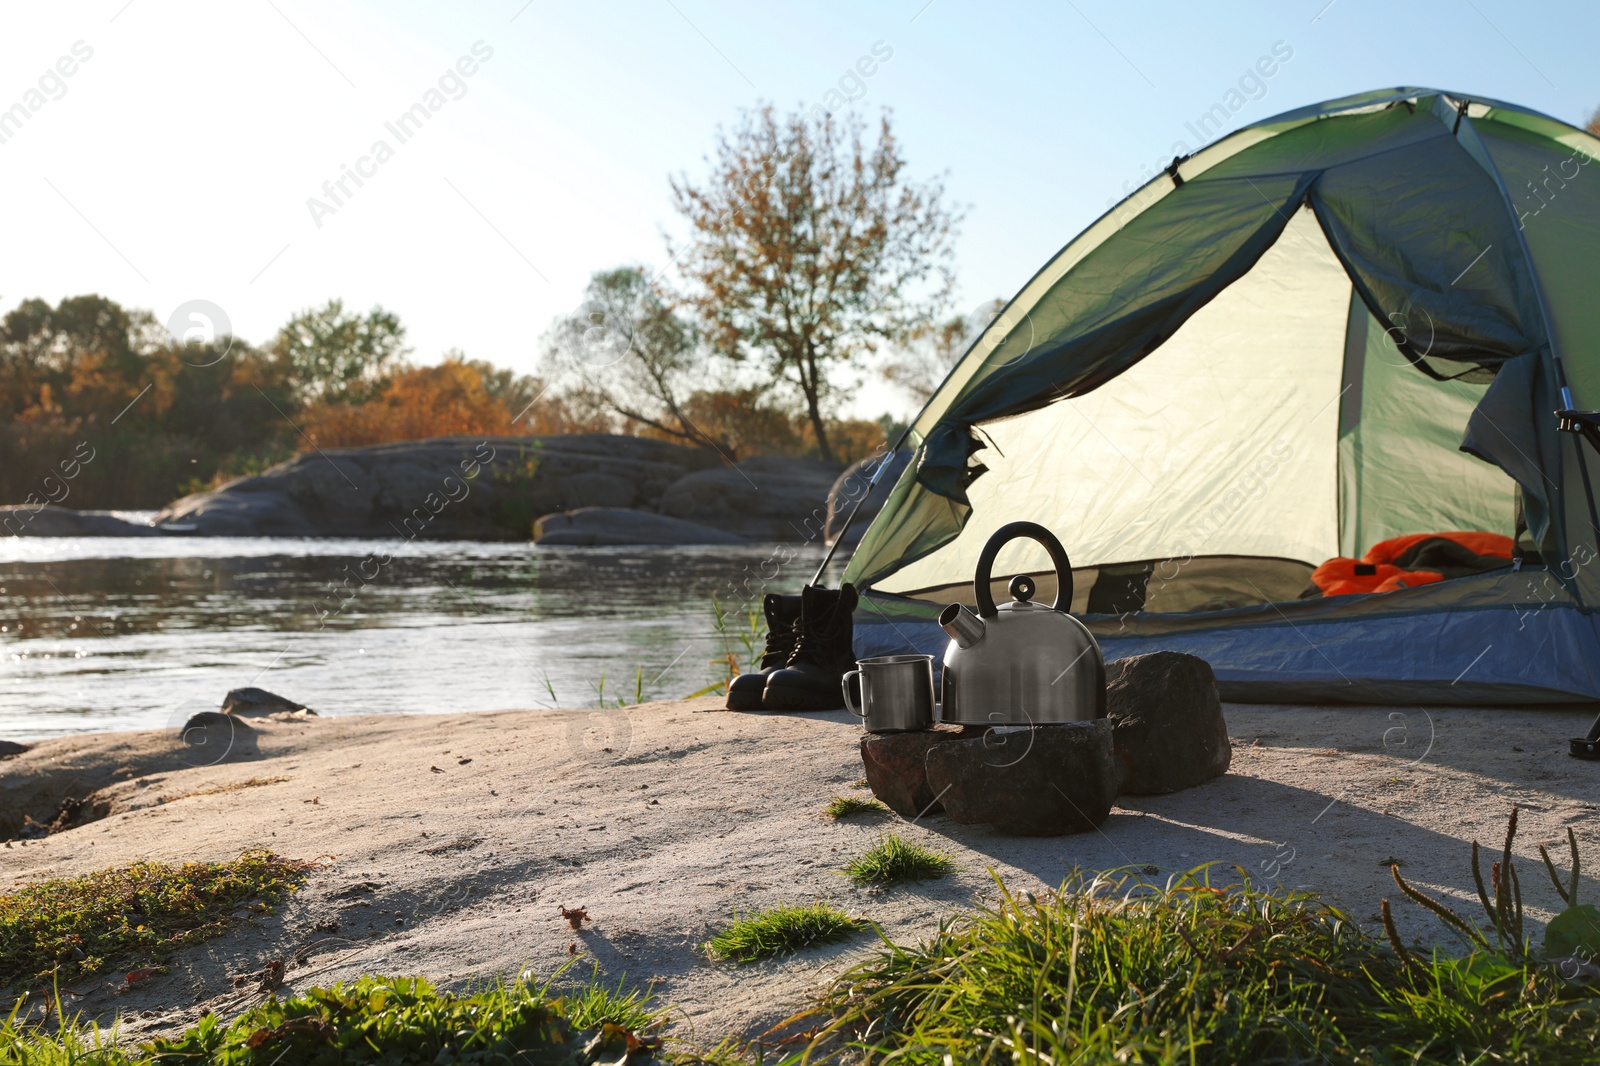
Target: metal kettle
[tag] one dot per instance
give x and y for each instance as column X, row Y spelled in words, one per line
column 1021, row 663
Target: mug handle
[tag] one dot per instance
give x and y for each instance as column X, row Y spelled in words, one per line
column 845, row 684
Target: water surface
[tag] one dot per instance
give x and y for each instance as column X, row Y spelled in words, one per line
column 118, row 633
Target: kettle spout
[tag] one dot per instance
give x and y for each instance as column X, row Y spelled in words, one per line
column 964, row 627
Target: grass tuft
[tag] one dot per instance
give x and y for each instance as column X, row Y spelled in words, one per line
column 72, row 927
column 895, row 860
column 1113, row 969
column 373, row 1021
column 846, row 806
column 783, row 929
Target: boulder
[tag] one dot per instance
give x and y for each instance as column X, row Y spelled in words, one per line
column 764, row 498
column 256, row 701
column 856, row 483
column 1042, row 780
column 1167, row 720
column 448, row 488
column 23, row 520
column 597, row 490
column 590, row 526
column 9, row 748
column 897, row 768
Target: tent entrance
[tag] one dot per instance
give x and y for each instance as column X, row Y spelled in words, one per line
column 1277, row 428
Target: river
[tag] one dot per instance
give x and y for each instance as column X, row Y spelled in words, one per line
column 123, row 633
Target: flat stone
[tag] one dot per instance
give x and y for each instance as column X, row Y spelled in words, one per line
column 259, row 701
column 593, row 526
column 1045, row 780
column 1167, row 720
column 22, row 520
column 897, row 768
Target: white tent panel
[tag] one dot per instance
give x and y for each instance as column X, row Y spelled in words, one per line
column 1224, row 441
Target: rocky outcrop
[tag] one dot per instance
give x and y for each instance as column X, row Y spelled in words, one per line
column 1032, row 781
column 23, row 520
column 449, row 488
column 766, row 497
column 1169, row 730
column 601, row 526
column 497, row 488
column 856, row 483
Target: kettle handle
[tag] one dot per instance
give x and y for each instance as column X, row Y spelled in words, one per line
column 1003, row 536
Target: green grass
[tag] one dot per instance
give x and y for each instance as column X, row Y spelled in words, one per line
column 72, row 927
column 1116, row 970
column 847, row 806
column 376, row 1020
column 783, row 929
column 895, row 860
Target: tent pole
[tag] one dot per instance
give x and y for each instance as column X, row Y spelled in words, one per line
column 877, row 475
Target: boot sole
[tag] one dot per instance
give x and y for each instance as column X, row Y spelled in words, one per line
column 782, row 698
column 741, row 702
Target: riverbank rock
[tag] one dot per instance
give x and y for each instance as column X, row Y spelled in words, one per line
column 22, row 520
column 592, row 526
column 764, row 498
column 9, row 748
column 1045, row 780
column 856, row 483
column 1167, row 719
column 257, row 701
column 448, row 488
column 897, row 768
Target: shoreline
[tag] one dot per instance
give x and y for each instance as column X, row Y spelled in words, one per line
column 450, row 840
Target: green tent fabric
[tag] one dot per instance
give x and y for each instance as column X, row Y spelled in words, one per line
column 1344, row 323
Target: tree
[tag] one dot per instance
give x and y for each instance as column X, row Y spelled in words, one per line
column 921, row 366
column 335, row 355
column 414, row 403
column 628, row 352
column 808, row 249
column 86, row 353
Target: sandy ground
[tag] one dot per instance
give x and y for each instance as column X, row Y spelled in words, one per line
column 451, row 841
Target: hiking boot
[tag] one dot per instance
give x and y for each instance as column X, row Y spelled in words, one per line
column 744, row 691
column 822, row 653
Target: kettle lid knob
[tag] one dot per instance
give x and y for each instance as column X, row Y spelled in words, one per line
column 1022, row 588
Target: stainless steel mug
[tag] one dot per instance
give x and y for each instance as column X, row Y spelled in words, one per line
column 896, row 693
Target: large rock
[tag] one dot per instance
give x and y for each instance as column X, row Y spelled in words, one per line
column 767, row 497
column 591, row 526
column 855, row 486
column 1167, row 718
column 22, row 520
column 1031, row 781
column 449, row 488
column 897, row 769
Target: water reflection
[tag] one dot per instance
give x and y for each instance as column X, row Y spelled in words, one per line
column 99, row 634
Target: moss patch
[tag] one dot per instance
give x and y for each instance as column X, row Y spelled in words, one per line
column 74, row 927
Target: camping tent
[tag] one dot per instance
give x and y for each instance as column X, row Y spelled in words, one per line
column 1346, row 323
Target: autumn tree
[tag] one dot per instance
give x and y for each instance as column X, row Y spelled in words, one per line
column 809, row 249
column 628, row 351
column 337, row 355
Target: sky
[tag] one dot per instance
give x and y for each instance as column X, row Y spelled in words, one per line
column 189, row 153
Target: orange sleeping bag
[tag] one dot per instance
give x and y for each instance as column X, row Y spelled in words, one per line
column 1411, row 560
